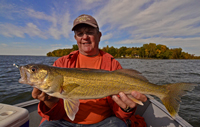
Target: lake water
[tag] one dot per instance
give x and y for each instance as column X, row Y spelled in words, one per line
column 156, row 71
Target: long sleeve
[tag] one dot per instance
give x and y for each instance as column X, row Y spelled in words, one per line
column 55, row 113
column 118, row 111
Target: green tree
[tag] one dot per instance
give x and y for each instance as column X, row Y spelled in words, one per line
column 150, row 50
column 176, row 53
column 128, row 52
column 74, row 47
column 112, row 51
column 49, row 54
column 122, row 51
column 142, row 52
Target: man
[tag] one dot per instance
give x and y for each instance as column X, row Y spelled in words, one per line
column 108, row 111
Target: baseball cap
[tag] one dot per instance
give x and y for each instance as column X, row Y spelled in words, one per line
column 85, row 19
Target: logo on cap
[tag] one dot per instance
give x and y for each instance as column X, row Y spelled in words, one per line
column 82, row 18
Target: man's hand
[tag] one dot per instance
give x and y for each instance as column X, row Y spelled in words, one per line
column 124, row 102
column 48, row 100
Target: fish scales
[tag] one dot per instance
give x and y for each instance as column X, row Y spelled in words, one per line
column 73, row 84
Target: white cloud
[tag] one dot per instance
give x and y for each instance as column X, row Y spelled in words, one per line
column 116, row 12
column 3, row 45
column 106, row 37
column 151, row 18
column 169, row 22
column 24, row 51
column 173, row 42
column 42, row 16
column 10, row 30
column 89, row 4
column 188, row 44
column 18, row 43
column 32, row 30
column 56, row 45
column 107, row 42
column 66, row 25
column 63, row 27
column 58, row 25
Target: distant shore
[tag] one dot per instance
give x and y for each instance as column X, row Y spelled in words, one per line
column 147, row 51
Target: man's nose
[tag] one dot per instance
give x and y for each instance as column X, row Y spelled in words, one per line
column 85, row 35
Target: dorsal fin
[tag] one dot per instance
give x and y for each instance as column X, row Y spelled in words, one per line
column 91, row 70
column 133, row 73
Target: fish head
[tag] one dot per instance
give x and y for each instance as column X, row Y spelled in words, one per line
column 33, row 74
column 43, row 77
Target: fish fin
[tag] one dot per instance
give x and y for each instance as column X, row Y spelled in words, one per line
column 56, row 83
column 131, row 72
column 135, row 100
column 53, row 86
column 71, row 107
column 90, row 70
column 172, row 99
column 68, row 88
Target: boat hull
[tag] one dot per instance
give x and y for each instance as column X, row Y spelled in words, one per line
column 154, row 113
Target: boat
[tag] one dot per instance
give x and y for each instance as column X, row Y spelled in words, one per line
column 154, row 113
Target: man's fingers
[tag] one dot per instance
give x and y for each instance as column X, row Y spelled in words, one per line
column 139, row 96
column 35, row 93
column 38, row 94
column 119, row 102
column 127, row 100
column 43, row 96
column 124, row 101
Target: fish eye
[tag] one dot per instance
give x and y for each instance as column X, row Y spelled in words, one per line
column 33, row 69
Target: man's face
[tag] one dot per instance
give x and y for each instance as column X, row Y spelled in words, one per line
column 87, row 38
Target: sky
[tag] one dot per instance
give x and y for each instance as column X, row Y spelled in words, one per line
column 36, row 27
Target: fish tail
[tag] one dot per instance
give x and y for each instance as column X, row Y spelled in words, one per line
column 172, row 99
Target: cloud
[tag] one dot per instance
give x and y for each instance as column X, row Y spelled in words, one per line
column 170, row 22
column 24, row 51
column 106, row 37
column 32, row 30
column 10, row 30
column 89, row 4
column 152, row 18
column 63, row 28
column 172, row 42
column 116, row 12
column 42, row 25
column 42, row 16
column 56, row 45
column 10, row 10
column 3, row 45
column 18, row 43
column 60, row 23
column 190, row 45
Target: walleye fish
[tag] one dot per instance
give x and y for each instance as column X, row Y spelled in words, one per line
column 72, row 84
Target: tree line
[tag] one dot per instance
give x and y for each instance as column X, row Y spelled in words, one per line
column 150, row 50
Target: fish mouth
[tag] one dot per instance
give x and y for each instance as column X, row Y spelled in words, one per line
column 24, row 75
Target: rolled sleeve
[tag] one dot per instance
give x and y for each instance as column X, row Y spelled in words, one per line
column 55, row 113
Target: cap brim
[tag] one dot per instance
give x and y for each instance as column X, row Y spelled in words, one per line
column 95, row 26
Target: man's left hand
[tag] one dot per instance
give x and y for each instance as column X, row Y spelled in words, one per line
column 125, row 102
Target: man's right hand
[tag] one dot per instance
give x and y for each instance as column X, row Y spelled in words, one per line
column 42, row 96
